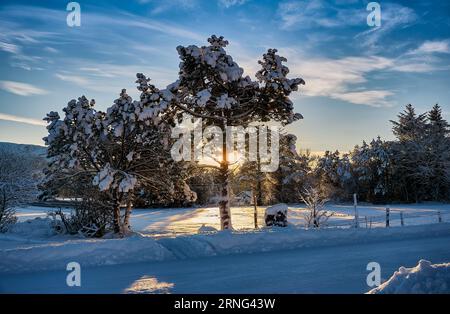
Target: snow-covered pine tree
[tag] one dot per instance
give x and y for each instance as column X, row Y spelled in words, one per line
column 121, row 149
column 333, row 174
column 211, row 86
column 292, row 174
column 438, row 153
column 371, row 167
column 250, row 177
column 410, row 165
column 410, row 127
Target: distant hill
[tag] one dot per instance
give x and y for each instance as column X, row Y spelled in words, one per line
column 26, row 149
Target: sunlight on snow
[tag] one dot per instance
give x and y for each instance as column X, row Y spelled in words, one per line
column 184, row 221
column 148, row 284
column 160, row 222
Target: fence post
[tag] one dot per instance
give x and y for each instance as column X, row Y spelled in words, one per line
column 365, row 218
column 439, row 217
column 355, row 204
column 401, row 219
column 370, row 223
column 387, row 216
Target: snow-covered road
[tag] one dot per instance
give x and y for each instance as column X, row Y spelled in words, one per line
column 338, row 269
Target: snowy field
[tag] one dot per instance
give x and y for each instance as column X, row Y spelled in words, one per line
column 183, row 221
column 168, row 255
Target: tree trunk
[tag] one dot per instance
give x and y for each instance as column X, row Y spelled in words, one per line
column 259, row 188
column 116, row 218
column 224, row 203
column 258, row 175
column 126, row 220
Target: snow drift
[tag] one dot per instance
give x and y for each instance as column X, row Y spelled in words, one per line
column 424, row 278
column 33, row 228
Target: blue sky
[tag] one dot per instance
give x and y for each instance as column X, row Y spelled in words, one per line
column 357, row 77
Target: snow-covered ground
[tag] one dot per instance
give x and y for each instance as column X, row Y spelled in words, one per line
column 176, row 221
column 321, row 269
column 167, row 254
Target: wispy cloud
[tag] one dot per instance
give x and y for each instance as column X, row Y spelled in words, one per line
column 106, row 20
column 393, row 17
column 9, row 117
column 22, row 89
column 73, row 79
column 231, row 3
column 162, row 6
column 317, row 13
column 341, row 79
column 11, row 48
column 437, row 46
column 375, row 98
column 424, row 58
column 51, row 49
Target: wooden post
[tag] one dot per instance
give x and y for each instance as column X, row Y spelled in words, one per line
column 402, row 223
column 365, row 218
column 355, row 204
column 439, row 217
column 255, row 212
column 387, row 216
column 370, row 223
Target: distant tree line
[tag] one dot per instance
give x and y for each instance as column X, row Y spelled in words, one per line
column 413, row 168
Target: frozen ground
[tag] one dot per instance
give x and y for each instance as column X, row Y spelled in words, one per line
column 167, row 256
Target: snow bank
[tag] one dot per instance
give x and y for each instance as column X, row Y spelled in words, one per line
column 424, row 278
column 33, row 228
column 138, row 248
column 87, row 252
column 273, row 239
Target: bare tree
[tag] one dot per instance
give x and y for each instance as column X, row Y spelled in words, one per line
column 316, row 215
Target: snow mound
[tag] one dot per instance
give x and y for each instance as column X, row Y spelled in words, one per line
column 425, row 278
column 86, row 252
column 33, row 228
column 273, row 210
column 206, row 229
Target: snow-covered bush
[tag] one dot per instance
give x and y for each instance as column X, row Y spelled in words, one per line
column 423, row 279
column 276, row 215
column 316, row 214
column 91, row 217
